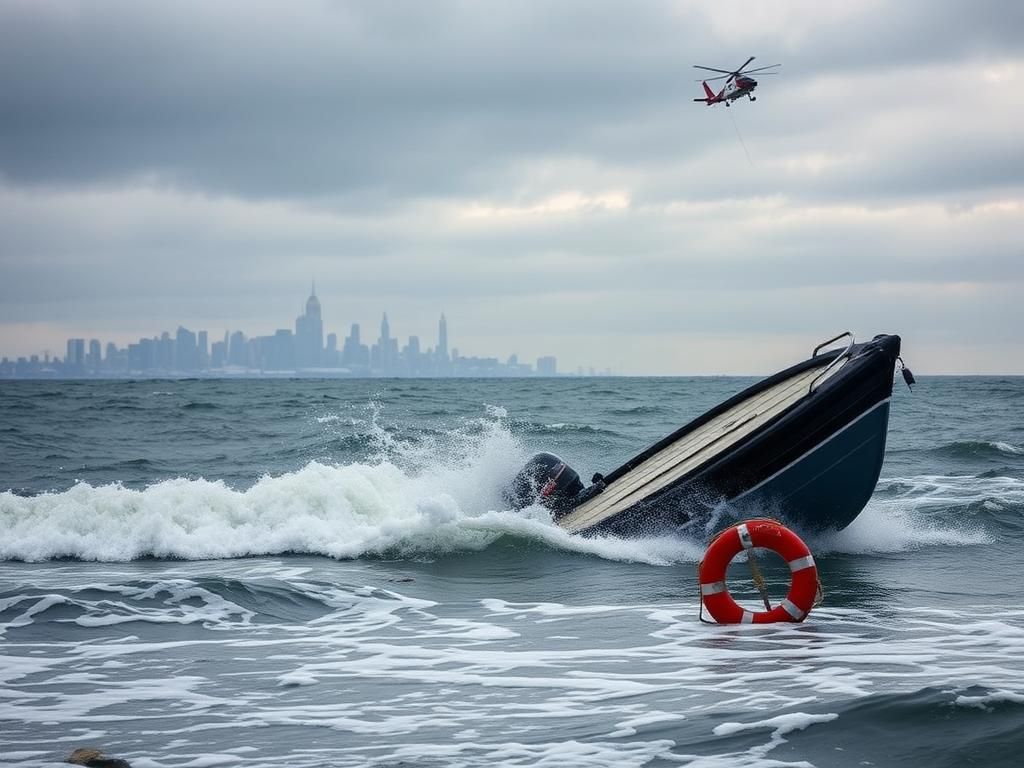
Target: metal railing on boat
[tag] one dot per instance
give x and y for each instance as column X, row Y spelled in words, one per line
column 835, row 363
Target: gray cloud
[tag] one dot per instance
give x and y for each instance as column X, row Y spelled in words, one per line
column 395, row 98
column 200, row 162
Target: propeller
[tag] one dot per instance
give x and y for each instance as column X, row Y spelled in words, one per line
column 730, row 75
column 712, row 69
column 744, row 65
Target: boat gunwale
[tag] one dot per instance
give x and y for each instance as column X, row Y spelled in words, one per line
column 679, row 459
column 595, row 516
column 754, row 389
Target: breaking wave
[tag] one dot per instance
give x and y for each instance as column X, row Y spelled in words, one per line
column 427, row 493
column 423, row 497
column 419, row 497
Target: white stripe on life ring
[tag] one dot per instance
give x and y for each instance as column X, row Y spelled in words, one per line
column 801, row 562
column 712, row 588
column 792, row 610
column 748, row 618
column 745, row 539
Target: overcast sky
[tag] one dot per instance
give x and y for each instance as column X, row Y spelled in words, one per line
column 537, row 171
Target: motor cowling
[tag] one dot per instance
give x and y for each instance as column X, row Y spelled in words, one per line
column 547, row 480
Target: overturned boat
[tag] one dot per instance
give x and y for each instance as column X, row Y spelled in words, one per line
column 805, row 445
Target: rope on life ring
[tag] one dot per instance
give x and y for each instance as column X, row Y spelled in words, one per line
column 804, row 587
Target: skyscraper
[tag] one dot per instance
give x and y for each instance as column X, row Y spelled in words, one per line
column 186, row 353
column 350, row 352
column 203, row 350
column 412, row 356
column 236, row 349
column 547, row 366
column 218, row 354
column 442, row 340
column 93, row 357
column 278, row 351
column 164, row 352
column 75, row 358
column 309, row 334
column 385, row 360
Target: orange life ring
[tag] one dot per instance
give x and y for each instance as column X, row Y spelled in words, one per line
column 803, row 589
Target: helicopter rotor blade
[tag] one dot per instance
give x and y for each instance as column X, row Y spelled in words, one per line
column 740, row 70
column 761, row 69
column 711, row 79
column 712, row 69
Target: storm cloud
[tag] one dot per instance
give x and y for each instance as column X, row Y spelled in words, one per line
column 537, row 171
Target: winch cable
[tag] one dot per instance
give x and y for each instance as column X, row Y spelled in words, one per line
column 742, row 143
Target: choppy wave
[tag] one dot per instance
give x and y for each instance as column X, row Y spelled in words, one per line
column 932, row 510
column 428, row 493
column 377, row 676
column 640, row 410
column 562, row 427
column 954, row 497
column 426, row 506
column 342, row 512
column 421, row 496
column 977, row 449
column 199, row 405
column 449, row 631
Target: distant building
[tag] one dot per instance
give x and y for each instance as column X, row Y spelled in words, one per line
column 115, row 360
column 237, row 349
column 94, row 358
column 186, row 351
column 547, row 366
column 355, row 355
column 75, row 358
column 203, row 350
column 191, row 353
column 280, row 352
column 165, row 352
column 442, row 340
column 332, row 357
column 309, row 334
column 412, row 356
column 385, row 359
column 142, row 356
column 218, row 354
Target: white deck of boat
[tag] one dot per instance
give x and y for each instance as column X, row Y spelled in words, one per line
column 692, row 450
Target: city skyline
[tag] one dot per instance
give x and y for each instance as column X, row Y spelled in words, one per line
column 306, row 350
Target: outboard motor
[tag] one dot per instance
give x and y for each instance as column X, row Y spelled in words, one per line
column 547, row 480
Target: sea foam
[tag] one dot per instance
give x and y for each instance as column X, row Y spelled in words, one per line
column 419, row 499
column 928, row 510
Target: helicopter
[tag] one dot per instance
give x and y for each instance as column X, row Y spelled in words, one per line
column 738, row 83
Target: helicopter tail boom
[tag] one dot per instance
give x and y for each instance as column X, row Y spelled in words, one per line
column 710, row 96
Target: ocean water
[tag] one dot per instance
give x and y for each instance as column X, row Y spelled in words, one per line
column 321, row 573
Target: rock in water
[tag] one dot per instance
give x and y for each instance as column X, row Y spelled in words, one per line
column 93, row 758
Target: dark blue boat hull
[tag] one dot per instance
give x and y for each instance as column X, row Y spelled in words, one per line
column 814, row 466
column 830, row 486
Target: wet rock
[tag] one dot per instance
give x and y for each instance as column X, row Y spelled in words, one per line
column 93, row 758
